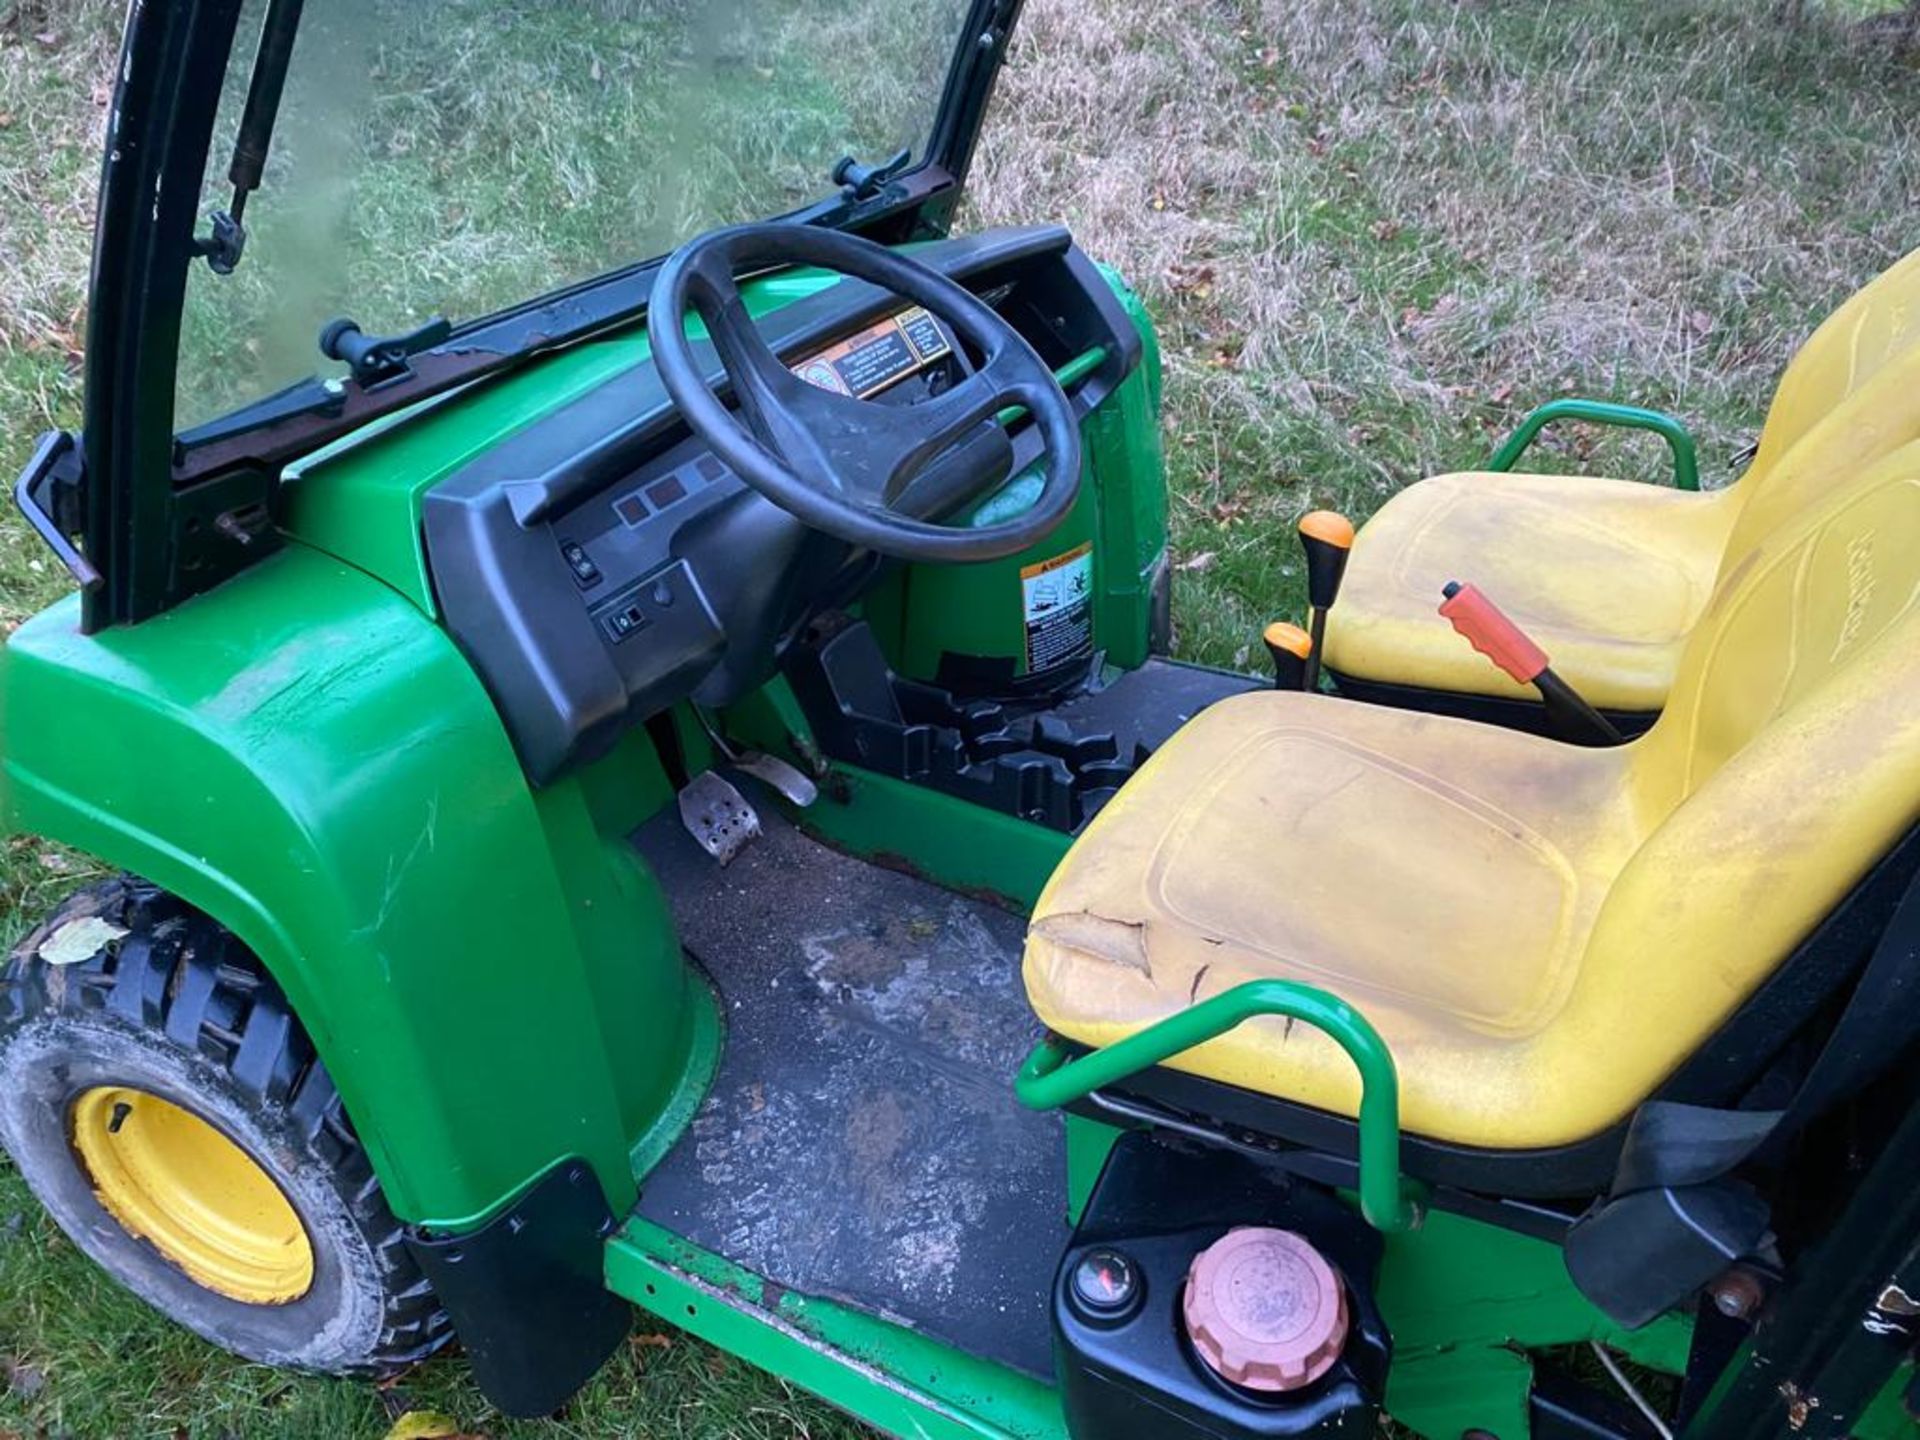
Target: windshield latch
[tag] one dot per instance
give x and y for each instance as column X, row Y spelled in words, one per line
column 51, row 493
column 224, row 244
column 374, row 359
column 863, row 182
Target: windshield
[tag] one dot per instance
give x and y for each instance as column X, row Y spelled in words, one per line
column 455, row 157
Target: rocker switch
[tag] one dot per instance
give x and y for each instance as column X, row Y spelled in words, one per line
column 629, row 620
column 580, row 563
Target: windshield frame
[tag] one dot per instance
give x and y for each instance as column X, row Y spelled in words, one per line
column 169, row 515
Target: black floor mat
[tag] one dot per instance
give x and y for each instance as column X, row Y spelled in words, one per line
column 1147, row 705
column 862, row 1141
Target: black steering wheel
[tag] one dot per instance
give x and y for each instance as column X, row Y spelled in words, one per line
column 836, row 463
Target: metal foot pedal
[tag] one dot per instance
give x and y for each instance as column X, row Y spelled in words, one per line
column 776, row 773
column 718, row 816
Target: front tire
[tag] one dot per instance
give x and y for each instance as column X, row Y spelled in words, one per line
column 162, row 1101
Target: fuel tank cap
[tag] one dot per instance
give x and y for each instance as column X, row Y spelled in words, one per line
column 1265, row 1310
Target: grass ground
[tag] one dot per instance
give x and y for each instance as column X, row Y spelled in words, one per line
column 1375, row 233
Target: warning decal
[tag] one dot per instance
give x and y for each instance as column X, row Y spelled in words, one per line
column 1057, row 600
column 866, row 363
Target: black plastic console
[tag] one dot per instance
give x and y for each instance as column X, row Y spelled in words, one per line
column 1054, row 759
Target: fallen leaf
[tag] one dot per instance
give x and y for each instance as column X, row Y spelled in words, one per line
column 24, row 1380
column 1193, row 564
column 79, row 940
column 428, row 1425
column 652, row 1341
column 1229, row 510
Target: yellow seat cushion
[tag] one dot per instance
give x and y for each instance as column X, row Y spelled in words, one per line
column 1442, row 876
column 1609, row 577
column 1541, row 933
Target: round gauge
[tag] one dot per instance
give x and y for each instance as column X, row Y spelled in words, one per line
column 1105, row 1284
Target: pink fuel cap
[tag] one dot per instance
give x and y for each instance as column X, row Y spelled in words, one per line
column 1264, row 1310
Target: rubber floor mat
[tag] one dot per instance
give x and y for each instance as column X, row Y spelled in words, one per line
column 861, row 1141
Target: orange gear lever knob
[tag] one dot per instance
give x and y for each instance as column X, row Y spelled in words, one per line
column 1327, row 538
column 1288, row 646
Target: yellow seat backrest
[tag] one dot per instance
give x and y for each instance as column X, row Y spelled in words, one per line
column 1786, row 762
column 1873, row 421
column 1848, row 350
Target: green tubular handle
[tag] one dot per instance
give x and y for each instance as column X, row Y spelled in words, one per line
column 1686, row 457
column 1071, row 373
column 1049, row 1079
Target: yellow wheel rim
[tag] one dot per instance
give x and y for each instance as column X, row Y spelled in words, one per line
column 174, row 1181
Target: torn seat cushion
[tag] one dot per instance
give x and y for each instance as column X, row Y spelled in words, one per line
column 1439, row 875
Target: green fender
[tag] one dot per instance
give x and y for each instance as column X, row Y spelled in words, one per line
column 305, row 756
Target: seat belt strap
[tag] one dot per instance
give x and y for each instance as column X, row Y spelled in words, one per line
column 1674, row 1218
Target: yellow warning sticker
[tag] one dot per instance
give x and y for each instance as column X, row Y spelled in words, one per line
column 1057, row 602
column 868, row 362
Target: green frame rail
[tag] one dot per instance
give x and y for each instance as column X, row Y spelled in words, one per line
column 1052, row 1078
column 1686, row 455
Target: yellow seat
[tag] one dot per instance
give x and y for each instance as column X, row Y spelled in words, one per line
column 1541, row 933
column 1611, row 577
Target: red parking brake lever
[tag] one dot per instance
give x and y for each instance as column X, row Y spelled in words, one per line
column 1490, row 632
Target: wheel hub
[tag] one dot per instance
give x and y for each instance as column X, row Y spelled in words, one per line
column 173, row 1180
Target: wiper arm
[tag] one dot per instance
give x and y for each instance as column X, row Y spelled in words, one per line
column 227, row 240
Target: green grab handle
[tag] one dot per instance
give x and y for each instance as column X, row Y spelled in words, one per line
column 1071, row 373
column 1050, row 1079
column 1686, row 456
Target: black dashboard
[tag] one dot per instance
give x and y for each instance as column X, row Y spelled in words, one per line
column 603, row 564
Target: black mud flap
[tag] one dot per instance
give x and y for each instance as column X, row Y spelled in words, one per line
column 526, row 1292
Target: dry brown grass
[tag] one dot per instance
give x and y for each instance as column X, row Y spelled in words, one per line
column 55, row 82
column 1376, row 233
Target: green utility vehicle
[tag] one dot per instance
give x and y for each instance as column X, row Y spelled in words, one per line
column 671, row 794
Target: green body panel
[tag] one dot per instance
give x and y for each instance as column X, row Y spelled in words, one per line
column 1888, row 1418
column 961, row 846
column 1464, row 1299
column 1466, row 1303
column 976, row 609
column 925, row 611
column 306, row 756
column 1089, row 1143
column 887, row 1375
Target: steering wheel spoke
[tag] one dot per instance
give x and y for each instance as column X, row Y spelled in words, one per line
column 838, row 463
